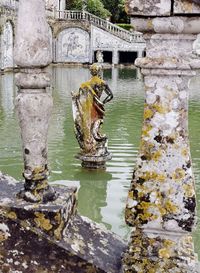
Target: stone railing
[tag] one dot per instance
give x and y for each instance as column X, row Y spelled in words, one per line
column 131, row 37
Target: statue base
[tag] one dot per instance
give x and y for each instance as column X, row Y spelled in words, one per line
column 94, row 162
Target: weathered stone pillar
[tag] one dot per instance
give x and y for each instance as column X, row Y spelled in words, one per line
column 34, row 103
column 161, row 203
column 115, row 57
column 48, row 236
column 140, row 54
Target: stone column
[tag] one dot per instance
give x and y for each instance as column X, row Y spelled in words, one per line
column 47, row 236
column 33, row 103
column 63, row 5
column 139, row 53
column 115, row 57
column 161, row 202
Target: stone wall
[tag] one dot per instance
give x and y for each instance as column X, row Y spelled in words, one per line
column 72, row 42
column 73, row 45
column 6, row 46
column 104, row 41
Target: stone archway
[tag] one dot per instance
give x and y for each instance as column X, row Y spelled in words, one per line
column 6, row 45
column 73, row 45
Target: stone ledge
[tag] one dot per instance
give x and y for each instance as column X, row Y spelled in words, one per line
column 175, row 25
column 51, row 218
column 28, row 243
column 175, row 65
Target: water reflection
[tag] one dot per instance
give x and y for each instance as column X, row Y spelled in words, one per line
column 7, row 97
column 93, row 192
column 101, row 194
column 194, row 129
column 10, row 148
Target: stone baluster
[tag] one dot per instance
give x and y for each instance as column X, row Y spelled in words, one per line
column 161, row 203
column 47, row 236
column 33, row 102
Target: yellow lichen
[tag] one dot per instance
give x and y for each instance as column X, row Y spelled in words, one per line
column 152, row 270
column 164, row 253
column 149, row 24
column 160, row 108
column 130, row 194
column 38, row 173
column 12, row 215
column 178, row 174
column 156, row 155
column 162, row 210
column 144, row 205
column 42, row 222
column 40, row 186
column 188, row 240
column 153, row 176
column 168, row 243
column 161, row 177
column 189, row 190
column 170, row 207
column 58, row 231
column 148, row 113
column 145, row 216
column 3, row 236
column 184, row 152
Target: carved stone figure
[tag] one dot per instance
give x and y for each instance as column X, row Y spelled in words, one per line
column 72, row 44
column 88, row 114
column 99, row 56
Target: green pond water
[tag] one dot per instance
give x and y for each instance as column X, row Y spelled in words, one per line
column 102, row 194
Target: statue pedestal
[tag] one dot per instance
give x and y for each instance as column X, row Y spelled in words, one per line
column 94, row 162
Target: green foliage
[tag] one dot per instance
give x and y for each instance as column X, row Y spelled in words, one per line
column 97, row 8
column 74, row 5
column 126, row 26
column 117, row 9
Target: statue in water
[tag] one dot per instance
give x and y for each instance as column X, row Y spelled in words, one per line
column 88, row 114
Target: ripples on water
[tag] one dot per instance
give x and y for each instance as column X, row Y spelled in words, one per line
column 102, row 194
column 194, row 133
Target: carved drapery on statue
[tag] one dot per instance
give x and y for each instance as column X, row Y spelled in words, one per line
column 88, row 114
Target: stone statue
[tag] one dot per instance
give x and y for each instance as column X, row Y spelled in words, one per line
column 99, row 56
column 88, row 114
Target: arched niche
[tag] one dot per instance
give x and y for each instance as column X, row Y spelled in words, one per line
column 73, row 45
column 7, row 46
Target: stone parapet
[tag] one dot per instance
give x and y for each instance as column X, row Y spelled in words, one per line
column 51, row 218
column 52, row 237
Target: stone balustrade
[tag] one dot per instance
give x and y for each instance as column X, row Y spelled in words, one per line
column 128, row 36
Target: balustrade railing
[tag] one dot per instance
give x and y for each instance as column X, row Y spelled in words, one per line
column 129, row 36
